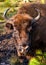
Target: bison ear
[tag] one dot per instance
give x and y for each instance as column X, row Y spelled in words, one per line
column 9, row 26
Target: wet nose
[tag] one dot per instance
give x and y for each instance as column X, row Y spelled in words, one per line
column 23, row 49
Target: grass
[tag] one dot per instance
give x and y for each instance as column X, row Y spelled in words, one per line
column 38, row 60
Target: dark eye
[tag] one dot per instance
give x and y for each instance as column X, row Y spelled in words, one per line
column 10, row 26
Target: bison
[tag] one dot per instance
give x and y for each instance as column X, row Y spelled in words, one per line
column 28, row 27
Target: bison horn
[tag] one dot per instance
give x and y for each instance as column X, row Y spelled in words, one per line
column 4, row 15
column 37, row 18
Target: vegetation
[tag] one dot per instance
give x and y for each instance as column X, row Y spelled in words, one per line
column 40, row 58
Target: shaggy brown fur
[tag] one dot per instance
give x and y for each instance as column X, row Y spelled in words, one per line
column 41, row 28
column 30, row 9
column 22, row 21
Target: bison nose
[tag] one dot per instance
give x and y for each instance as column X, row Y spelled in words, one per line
column 21, row 50
column 25, row 46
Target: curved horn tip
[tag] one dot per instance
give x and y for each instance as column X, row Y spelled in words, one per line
column 5, row 12
column 37, row 18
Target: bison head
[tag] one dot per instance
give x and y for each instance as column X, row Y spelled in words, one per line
column 21, row 25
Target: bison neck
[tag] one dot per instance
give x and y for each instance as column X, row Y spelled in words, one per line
column 35, row 36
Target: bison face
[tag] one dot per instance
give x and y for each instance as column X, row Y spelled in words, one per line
column 21, row 25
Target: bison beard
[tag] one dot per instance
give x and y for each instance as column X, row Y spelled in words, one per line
column 29, row 32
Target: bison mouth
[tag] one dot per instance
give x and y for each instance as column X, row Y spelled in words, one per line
column 22, row 50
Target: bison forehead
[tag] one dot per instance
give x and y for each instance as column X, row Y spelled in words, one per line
column 21, row 18
column 20, row 21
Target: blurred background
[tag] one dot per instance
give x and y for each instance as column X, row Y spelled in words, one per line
column 14, row 5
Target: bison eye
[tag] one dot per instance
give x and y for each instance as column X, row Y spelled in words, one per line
column 9, row 26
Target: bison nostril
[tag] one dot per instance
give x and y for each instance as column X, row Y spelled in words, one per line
column 20, row 49
column 24, row 45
